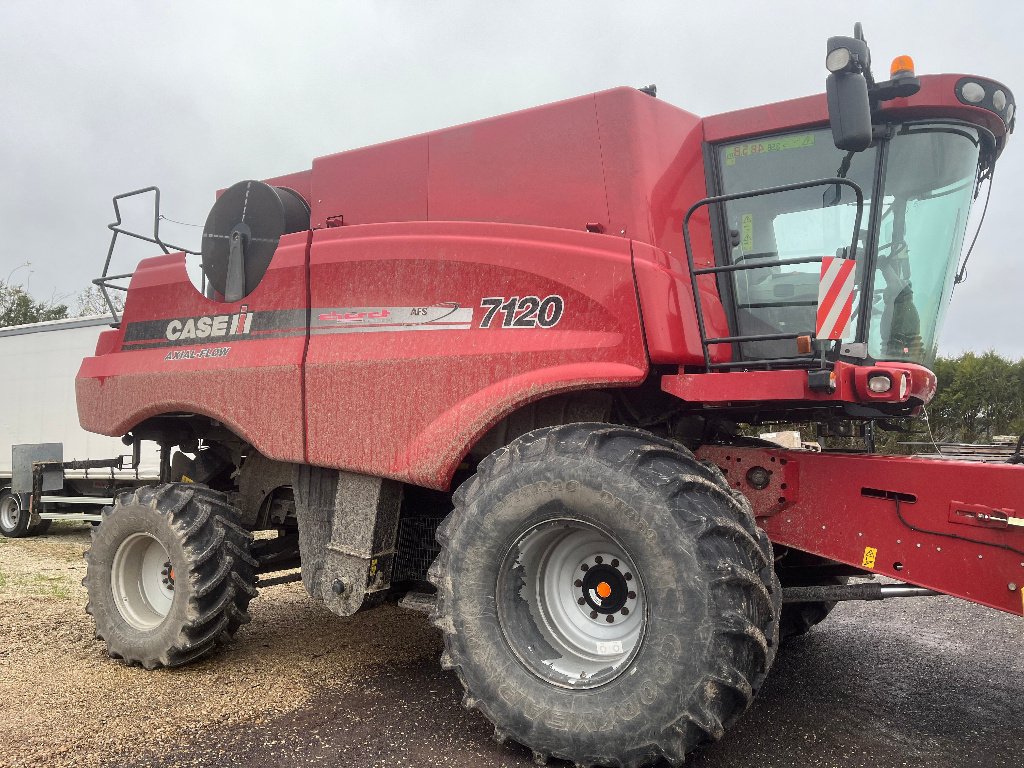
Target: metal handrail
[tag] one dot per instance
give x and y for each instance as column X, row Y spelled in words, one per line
column 729, row 268
column 106, row 282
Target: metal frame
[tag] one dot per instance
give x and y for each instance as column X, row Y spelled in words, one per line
column 706, row 342
column 950, row 526
column 105, row 281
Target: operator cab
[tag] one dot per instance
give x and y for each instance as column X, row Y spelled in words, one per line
column 882, row 178
column 921, row 176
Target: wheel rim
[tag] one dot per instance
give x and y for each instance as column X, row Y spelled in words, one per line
column 571, row 604
column 10, row 511
column 142, row 580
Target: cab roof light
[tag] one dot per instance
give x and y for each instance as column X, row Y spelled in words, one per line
column 987, row 94
column 902, row 82
column 901, row 66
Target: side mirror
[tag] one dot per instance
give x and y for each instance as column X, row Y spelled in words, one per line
column 849, row 108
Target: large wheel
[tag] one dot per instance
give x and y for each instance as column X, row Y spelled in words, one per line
column 604, row 597
column 15, row 520
column 169, row 574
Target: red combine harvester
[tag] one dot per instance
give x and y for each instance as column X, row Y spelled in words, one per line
column 527, row 350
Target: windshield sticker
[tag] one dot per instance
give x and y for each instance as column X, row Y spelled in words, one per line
column 752, row 148
column 747, row 232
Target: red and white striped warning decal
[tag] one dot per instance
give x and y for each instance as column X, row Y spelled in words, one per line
column 835, row 297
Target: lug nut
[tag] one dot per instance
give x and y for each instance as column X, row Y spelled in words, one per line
column 610, row 618
column 628, row 576
column 598, row 559
column 584, row 567
column 624, row 611
column 593, row 614
column 631, row 595
column 615, row 563
column 582, row 601
column 577, row 583
column 338, row 587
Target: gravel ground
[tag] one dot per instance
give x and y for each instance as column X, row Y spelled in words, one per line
column 934, row 683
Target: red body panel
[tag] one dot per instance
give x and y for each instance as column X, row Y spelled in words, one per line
column 408, row 403
column 618, row 159
column 381, row 395
column 842, row 506
column 256, row 390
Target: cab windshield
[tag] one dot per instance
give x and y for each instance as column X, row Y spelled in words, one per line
column 906, row 254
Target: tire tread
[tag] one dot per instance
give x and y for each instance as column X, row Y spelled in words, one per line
column 741, row 577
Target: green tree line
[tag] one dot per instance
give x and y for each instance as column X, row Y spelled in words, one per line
column 18, row 307
column 978, row 397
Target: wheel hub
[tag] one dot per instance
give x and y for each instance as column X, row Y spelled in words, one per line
column 571, row 604
column 604, row 587
column 142, row 581
column 10, row 511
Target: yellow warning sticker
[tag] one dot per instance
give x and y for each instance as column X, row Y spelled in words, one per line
column 747, row 232
column 870, row 553
column 764, row 146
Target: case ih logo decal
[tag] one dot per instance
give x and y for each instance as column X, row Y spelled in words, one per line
column 525, row 312
column 444, row 316
column 207, row 329
column 210, row 326
column 515, row 312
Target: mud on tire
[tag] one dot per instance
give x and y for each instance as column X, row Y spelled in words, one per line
column 710, row 597
column 201, row 588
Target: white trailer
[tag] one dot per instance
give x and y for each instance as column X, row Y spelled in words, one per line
column 39, row 421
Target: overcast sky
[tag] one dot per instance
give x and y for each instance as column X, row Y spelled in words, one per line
column 102, row 97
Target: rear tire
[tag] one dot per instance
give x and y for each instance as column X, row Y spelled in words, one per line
column 705, row 599
column 169, row 574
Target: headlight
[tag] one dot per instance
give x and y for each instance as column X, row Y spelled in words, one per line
column 880, row 383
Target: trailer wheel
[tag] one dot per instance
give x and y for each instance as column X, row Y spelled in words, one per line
column 604, row 597
column 169, row 574
column 15, row 521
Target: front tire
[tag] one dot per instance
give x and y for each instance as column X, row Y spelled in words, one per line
column 656, row 654
column 169, row 574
